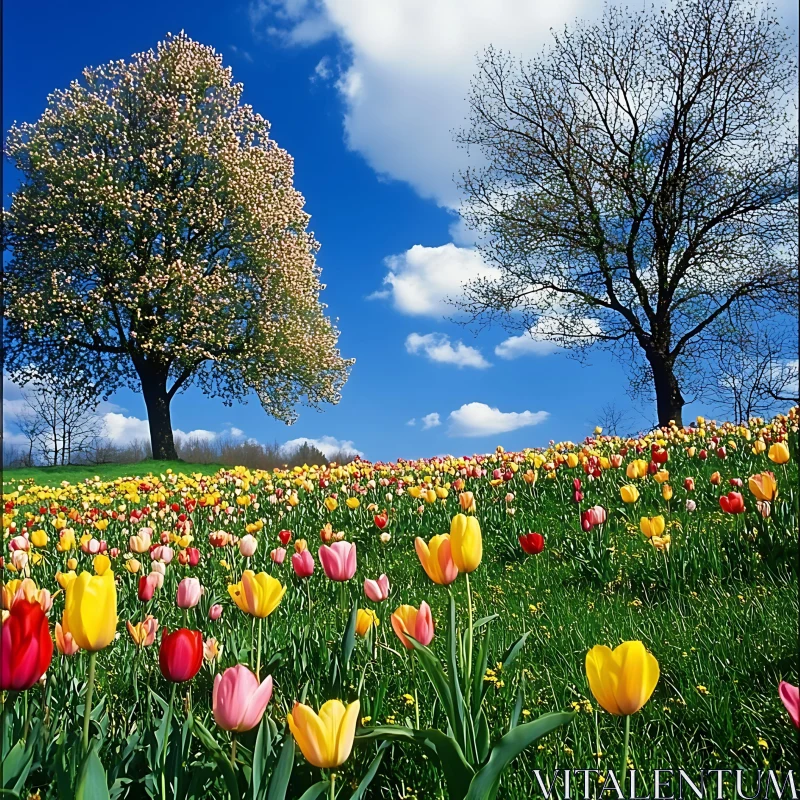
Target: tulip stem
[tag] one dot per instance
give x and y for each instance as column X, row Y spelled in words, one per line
column 469, row 639
column 166, row 741
column 233, row 750
column 625, row 750
column 258, row 654
column 87, row 711
column 333, row 786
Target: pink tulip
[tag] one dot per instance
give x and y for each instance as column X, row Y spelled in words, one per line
column 19, row 543
column 19, row 558
column 248, row 545
column 303, row 564
column 162, row 553
column 377, row 591
column 416, row 622
column 156, row 578
column 189, row 591
column 790, row 695
column 215, row 612
column 338, row 560
column 278, row 555
column 238, row 701
column 91, row 546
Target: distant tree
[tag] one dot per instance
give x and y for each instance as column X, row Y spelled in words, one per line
column 58, row 419
column 158, row 242
column 755, row 372
column 612, row 420
column 639, row 179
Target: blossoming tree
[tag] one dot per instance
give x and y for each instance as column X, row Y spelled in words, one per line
column 157, row 240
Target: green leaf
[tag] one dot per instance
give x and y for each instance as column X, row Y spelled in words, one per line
column 455, row 684
column 478, row 687
column 486, row 781
column 370, row 774
column 16, row 764
column 349, row 640
column 510, row 656
column 517, row 705
column 258, row 759
column 476, row 626
column 457, row 772
column 92, row 784
column 283, row 771
column 315, row 791
column 220, row 758
column 433, row 669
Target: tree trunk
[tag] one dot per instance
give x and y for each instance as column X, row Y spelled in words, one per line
column 154, row 389
column 669, row 400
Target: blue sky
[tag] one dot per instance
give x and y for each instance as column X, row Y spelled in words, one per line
column 364, row 95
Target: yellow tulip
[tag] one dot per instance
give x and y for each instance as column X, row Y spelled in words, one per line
column 414, row 491
column 65, row 578
column 429, row 496
column 763, row 486
column 133, row 566
column 466, row 544
column 325, row 739
column 759, row 446
column 436, row 559
column 39, row 538
column 629, row 493
column 622, row 680
column 90, row 611
column 652, row 526
column 666, row 491
column 101, row 564
column 257, row 595
column 662, row 476
column 66, row 541
column 636, row 469
column 779, row 453
column 72, row 563
column 330, row 503
column 572, row 460
column 365, row 619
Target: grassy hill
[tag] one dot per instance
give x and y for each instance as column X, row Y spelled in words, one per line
column 52, row 476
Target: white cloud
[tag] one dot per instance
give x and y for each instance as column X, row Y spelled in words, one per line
column 479, row 419
column 421, row 280
column 524, row 345
column 327, row 445
column 438, row 347
column 412, row 422
column 431, row 421
column 537, row 342
column 124, row 430
column 323, row 69
column 409, row 62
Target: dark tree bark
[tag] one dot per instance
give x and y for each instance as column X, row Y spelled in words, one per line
column 157, row 399
column 669, row 400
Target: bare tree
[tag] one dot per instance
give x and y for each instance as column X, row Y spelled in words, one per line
column 756, row 372
column 612, row 420
column 59, row 420
column 639, row 181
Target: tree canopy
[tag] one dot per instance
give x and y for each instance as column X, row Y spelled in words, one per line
column 157, row 240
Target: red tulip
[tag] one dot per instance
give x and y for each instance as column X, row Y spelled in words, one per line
column 532, row 543
column 27, row 648
column 181, row 654
column 147, row 587
column 285, row 537
column 688, row 484
column 732, row 503
column 194, row 556
column 381, row 520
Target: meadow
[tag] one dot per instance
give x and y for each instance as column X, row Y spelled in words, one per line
column 684, row 539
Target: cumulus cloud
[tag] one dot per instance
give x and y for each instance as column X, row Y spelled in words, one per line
column 327, row 445
column 537, row 342
column 405, row 79
column 422, row 279
column 431, row 421
column 479, row 419
column 438, row 347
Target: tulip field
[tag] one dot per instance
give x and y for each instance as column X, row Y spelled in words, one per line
column 437, row 628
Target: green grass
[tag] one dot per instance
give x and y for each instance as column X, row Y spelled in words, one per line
column 53, row 476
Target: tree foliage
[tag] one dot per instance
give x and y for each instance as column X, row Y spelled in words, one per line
column 638, row 182
column 158, row 241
